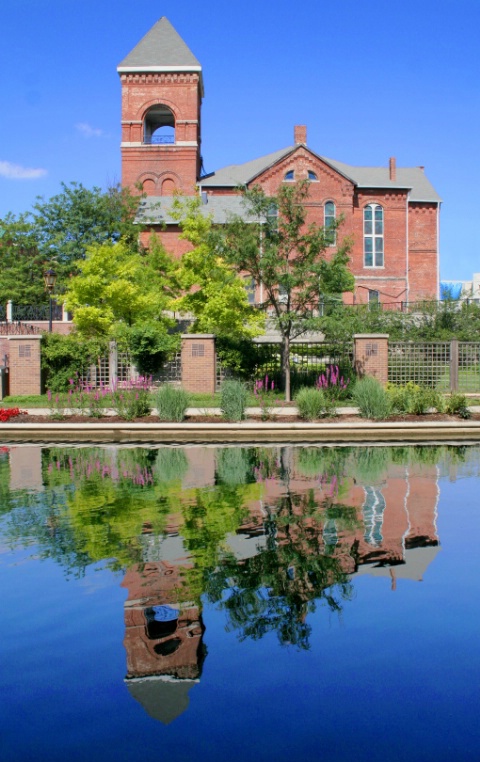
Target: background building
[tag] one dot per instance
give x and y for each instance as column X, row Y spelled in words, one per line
column 391, row 213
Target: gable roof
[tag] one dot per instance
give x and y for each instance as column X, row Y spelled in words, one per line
column 408, row 178
column 162, row 49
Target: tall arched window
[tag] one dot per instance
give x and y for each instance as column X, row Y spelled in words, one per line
column 329, row 223
column 373, row 236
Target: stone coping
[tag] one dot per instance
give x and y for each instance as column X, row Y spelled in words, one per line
column 246, row 432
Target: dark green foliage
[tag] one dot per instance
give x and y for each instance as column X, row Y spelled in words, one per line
column 66, row 224
column 371, row 398
column 151, row 345
column 172, row 403
column 67, row 357
column 238, row 355
column 234, row 396
column 22, row 264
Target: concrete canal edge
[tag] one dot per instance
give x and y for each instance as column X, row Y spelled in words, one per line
column 245, row 433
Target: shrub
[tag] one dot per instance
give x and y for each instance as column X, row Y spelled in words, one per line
column 233, row 399
column 172, row 403
column 422, row 400
column 456, row 404
column 313, row 403
column 66, row 357
column 414, row 399
column 132, row 399
column 333, row 383
column 371, row 399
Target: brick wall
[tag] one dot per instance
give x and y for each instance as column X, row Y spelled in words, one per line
column 371, row 355
column 24, row 365
column 198, row 363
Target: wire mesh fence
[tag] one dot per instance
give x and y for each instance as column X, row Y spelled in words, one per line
column 442, row 365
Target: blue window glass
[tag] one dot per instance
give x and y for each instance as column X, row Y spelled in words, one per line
column 290, row 175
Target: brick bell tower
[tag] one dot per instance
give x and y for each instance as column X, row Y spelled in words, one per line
column 162, row 90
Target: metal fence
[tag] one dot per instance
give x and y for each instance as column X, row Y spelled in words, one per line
column 441, row 365
column 308, row 360
column 36, row 312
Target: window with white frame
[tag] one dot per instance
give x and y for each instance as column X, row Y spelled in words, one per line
column 373, row 236
column 330, row 215
column 290, row 175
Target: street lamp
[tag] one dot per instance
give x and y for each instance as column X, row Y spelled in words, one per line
column 50, row 277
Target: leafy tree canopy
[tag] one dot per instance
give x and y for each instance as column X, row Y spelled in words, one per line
column 68, row 223
column 123, row 294
column 212, row 289
column 22, row 264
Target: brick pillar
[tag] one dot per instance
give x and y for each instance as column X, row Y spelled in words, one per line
column 24, row 365
column 371, row 355
column 198, row 362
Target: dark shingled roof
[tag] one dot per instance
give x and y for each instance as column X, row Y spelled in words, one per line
column 162, row 48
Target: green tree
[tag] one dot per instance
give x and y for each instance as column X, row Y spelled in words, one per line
column 273, row 244
column 211, row 288
column 22, row 264
column 68, row 223
column 124, row 294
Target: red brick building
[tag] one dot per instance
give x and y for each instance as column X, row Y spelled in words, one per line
column 392, row 213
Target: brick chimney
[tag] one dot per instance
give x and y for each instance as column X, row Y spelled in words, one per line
column 392, row 166
column 300, row 134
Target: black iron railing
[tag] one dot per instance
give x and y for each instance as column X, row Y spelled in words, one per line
column 32, row 312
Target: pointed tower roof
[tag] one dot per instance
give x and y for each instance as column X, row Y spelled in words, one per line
column 162, row 49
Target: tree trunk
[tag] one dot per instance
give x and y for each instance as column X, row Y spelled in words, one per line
column 286, row 367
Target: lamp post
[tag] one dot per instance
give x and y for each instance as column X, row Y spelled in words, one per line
column 50, row 277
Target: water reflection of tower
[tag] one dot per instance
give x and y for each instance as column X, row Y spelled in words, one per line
column 163, row 635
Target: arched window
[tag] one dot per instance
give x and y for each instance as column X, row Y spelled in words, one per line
column 289, row 176
column 329, row 223
column 312, row 176
column 373, row 236
column 159, row 126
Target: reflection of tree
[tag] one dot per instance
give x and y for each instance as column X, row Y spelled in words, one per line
column 276, row 589
column 208, row 519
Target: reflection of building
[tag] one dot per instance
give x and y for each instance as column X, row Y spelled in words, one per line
column 163, row 637
column 395, row 519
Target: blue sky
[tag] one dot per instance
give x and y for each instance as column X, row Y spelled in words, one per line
column 369, row 79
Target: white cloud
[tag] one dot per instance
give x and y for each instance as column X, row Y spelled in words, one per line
column 88, row 131
column 16, row 172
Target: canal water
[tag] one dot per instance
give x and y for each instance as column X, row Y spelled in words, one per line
column 264, row 603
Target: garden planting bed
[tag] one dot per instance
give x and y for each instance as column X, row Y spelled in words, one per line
column 343, row 419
